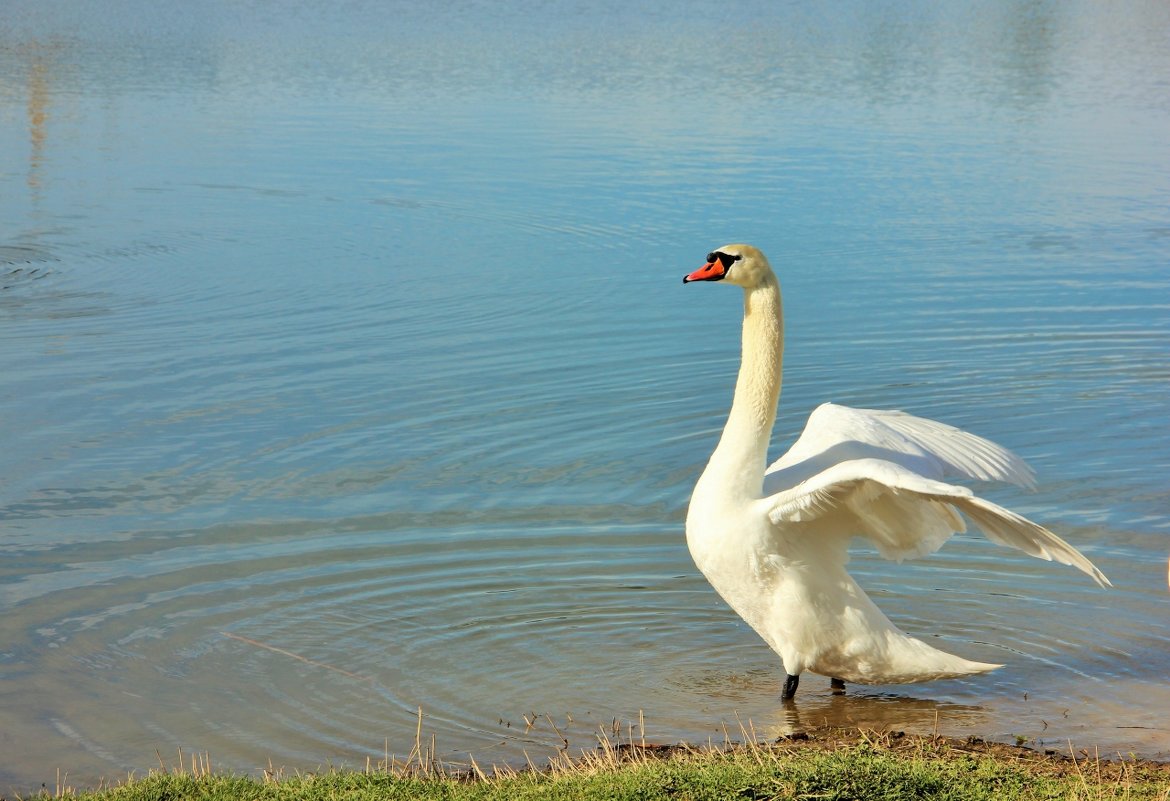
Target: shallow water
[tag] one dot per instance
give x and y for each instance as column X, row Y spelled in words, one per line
column 347, row 369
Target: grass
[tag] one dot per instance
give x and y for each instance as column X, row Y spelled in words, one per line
column 826, row 765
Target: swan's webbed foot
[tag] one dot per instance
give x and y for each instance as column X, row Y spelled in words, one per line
column 837, row 686
column 790, row 684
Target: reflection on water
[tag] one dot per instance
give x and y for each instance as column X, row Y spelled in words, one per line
column 876, row 713
column 346, row 369
column 37, row 110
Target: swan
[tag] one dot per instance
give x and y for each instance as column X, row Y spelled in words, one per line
column 773, row 541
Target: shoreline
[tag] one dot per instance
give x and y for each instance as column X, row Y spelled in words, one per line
column 854, row 757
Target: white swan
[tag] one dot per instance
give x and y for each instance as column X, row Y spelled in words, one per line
column 772, row 542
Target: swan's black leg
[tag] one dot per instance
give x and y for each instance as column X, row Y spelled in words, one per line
column 837, row 686
column 790, row 688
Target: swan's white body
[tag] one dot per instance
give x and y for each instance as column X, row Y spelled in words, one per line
column 773, row 541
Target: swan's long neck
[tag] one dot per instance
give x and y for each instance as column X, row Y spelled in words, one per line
column 740, row 458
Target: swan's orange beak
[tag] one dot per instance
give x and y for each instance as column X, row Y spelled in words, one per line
column 711, row 271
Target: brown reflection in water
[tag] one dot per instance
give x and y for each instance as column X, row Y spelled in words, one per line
column 876, row 712
column 815, row 706
column 37, row 112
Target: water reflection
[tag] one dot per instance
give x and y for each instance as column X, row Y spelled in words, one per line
column 875, row 712
column 1017, row 55
column 38, row 111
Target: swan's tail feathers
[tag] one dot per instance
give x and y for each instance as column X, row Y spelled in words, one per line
column 949, row 666
column 980, row 667
column 910, row 660
column 1008, row 528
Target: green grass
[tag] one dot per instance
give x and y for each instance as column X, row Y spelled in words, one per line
column 827, row 767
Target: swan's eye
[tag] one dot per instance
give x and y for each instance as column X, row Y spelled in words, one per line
column 726, row 259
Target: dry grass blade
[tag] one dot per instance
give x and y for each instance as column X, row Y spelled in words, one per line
column 298, row 657
column 559, row 733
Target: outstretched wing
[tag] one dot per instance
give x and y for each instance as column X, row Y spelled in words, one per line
column 878, row 474
column 835, row 434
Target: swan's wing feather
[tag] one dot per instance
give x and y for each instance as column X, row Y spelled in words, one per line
column 936, row 450
column 1005, row 527
column 908, row 515
column 963, row 454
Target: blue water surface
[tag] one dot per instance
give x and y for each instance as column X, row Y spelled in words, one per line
column 346, row 369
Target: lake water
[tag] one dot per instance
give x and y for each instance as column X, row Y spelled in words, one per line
column 346, row 369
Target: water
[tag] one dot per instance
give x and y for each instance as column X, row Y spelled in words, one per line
column 347, row 369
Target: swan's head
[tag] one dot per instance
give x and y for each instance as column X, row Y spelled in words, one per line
column 742, row 265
